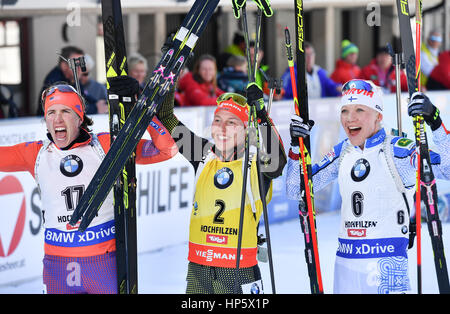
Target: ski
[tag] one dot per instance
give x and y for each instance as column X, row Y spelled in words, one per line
column 307, row 213
column 125, row 185
column 163, row 78
column 426, row 183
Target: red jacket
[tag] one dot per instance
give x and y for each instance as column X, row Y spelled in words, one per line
column 387, row 79
column 441, row 72
column 345, row 72
column 197, row 94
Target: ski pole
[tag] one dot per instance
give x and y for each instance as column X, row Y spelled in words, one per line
column 252, row 124
column 313, row 259
column 419, row 187
column 397, row 61
column 274, row 87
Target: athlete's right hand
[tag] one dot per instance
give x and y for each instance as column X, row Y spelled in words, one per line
column 298, row 128
column 420, row 104
column 124, row 86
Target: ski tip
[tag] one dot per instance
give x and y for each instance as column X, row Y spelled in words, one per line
column 82, row 227
column 73, row 221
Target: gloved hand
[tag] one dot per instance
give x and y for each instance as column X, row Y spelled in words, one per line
column 420, row 104
column 165, row 111
column 264, row 5
column 298, row 128
column 124, row 86
column 167, row 44
column 255, row 96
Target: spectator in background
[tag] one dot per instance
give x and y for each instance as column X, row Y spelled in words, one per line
column 61, row 72
column 440, row 76
column 346, row 67
column 234, row 77
column 200, row 85
column 137, row 68
column 319, row 84
column 93, row 92
column 381, row 72
column 237, row 48
column 429, row 55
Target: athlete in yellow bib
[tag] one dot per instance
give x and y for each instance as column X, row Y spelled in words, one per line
column 214, row 226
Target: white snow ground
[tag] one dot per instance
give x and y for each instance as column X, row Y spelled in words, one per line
column 164, row 271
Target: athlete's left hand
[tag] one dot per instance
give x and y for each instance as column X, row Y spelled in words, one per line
column 420, row 104
column 264, row 5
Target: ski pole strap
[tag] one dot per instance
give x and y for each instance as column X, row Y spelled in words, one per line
column 263, row 5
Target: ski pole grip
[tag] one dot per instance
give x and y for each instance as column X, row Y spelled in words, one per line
column 288, row 47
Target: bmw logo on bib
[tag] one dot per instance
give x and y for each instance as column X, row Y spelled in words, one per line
column 71, row 165
column 223, row 178
column 360, row 170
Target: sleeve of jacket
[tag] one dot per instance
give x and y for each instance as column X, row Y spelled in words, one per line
column 19, row 157
column 323, row 173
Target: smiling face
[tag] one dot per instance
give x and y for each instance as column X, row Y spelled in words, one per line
column 63, row 124
column 227, row 131
column 360, row 122
column 207, row 70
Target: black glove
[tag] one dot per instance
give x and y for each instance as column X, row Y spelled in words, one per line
column 255, row 96
column 298, row 129
column 420, row 104
column 124, row 86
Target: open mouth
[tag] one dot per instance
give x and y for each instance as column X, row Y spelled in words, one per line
column 60, row 133
column 353, row 130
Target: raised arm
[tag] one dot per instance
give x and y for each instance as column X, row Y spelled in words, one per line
column 19, row 157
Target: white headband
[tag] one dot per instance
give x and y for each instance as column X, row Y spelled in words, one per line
column 354, row 93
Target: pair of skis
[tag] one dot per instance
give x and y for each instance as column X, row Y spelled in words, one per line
column 128, row 126
column 307, row 212
column 125, row 185
column 426, row 184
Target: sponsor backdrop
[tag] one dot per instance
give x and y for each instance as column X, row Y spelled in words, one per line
column 165, row 190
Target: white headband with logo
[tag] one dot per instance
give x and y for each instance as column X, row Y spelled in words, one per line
column 361, row 92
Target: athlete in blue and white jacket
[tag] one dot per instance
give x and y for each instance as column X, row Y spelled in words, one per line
column 376, row 174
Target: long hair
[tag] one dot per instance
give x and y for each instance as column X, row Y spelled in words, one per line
column 195, row 71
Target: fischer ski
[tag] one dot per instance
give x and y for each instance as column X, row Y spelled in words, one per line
column 125, row 185
column 426, row 183
column 164, row 77
column 307, row 212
